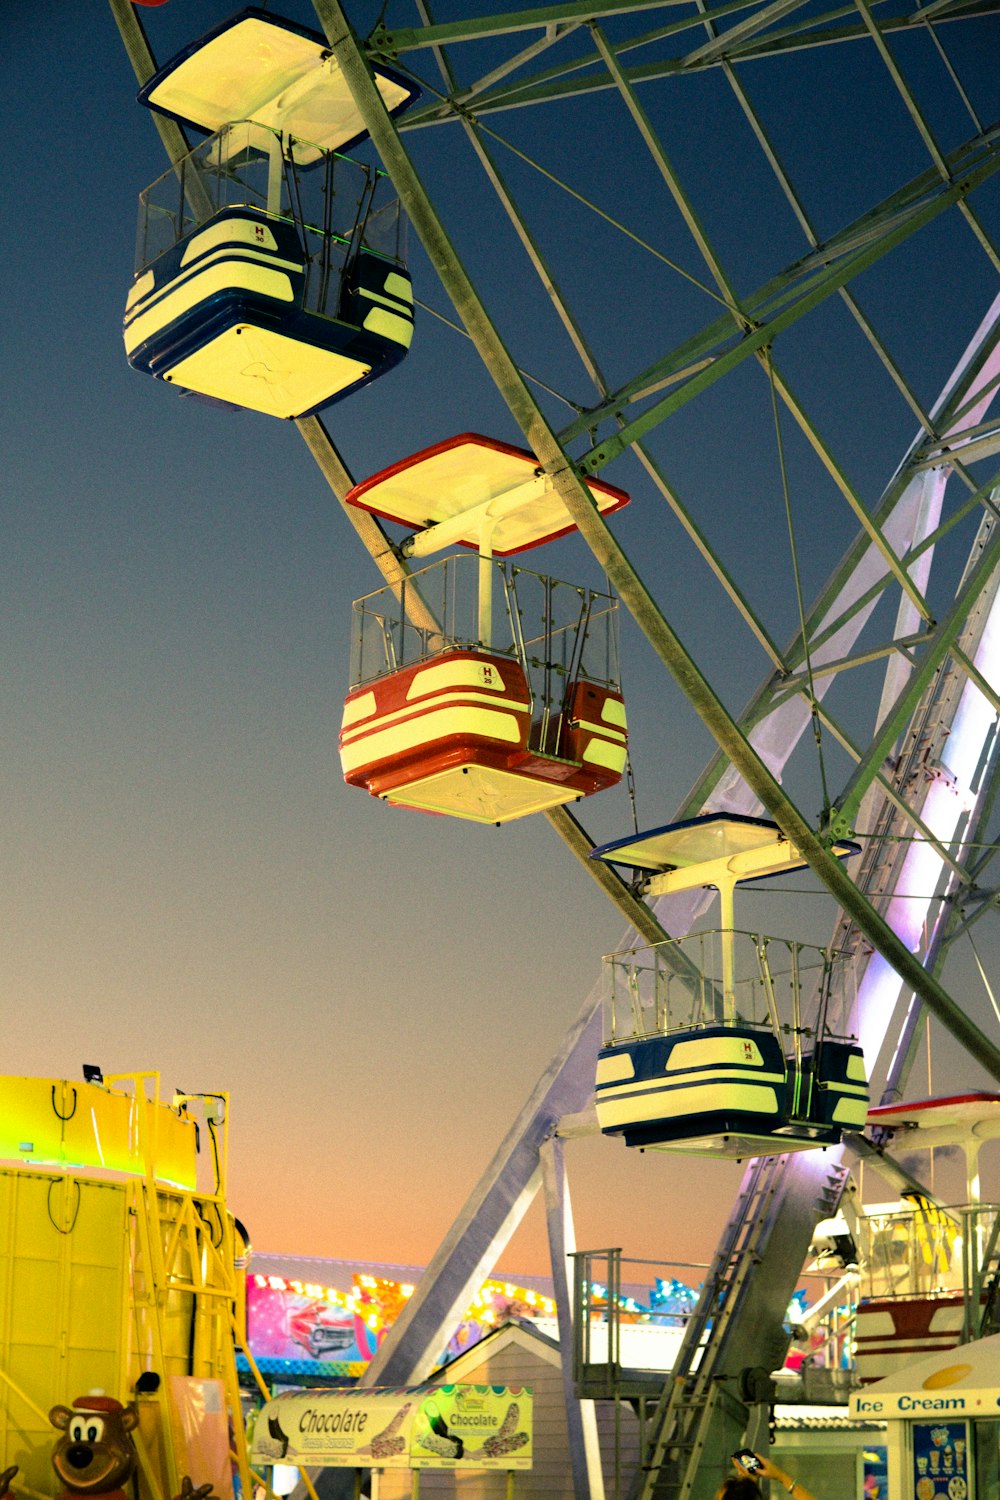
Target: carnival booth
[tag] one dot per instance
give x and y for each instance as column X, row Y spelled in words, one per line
column 725, row 1043
column 479, row 689
column 942, row 1418
column 270, row 267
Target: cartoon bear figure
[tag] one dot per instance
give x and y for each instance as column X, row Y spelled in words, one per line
column 96, row 1454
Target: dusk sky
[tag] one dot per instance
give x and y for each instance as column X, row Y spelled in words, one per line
column 188, row 884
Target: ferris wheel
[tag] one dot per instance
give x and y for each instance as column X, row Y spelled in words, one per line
column 738, row 263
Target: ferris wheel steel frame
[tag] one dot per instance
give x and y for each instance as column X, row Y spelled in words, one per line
column 938, row 193
column 552, row 455
column 894, row 547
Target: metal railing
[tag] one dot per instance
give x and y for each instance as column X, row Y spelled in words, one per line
column 778, row 983
column 927, row 1250
column 562, row 631
column 626, row 1333
column 337, row 205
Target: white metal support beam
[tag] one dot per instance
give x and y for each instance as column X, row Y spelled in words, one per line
column 492, row 1212
column 581, row 1418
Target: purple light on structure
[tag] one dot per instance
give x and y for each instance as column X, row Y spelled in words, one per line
column 947, row 801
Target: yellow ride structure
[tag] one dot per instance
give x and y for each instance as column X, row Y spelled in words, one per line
column 120, row 1270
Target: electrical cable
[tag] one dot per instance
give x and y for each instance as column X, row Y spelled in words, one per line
column 817, row 722
column 76, row 1211
column 56, row 1112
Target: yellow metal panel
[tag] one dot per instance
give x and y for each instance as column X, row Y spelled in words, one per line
column 625, row 1109
column 261, row 72
column 227, row 232
column 54, row 1122
column 601, row 752
column 390, row 326
column 610, row 734
column 267, row 372
column 30, row 1124
column 399, row 286
column 141, row 287
column 483, row 795
column 614, row 1069
column 98, row 1129
column 720, row 1078
column 715, row 1052
column 197, row 287
column 466, row 671
column 851, row 1113
column 461, row 697
column 455, row 479
column 63, row 1270
column 358, row 708
column 424, row 730
column 173, row 1141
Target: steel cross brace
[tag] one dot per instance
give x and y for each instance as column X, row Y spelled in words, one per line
column 622, row 575
column 845, row 812
column 386, row 556
column 390, row 43
column 822, row 274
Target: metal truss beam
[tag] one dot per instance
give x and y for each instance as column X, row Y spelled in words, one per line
column 845, row 811
column 396, row 41
column 653, row 468
column 798, row 682
column 632, row 591
column 558, row 83
column 581, row 1418
column 469, row 1251
column 787, row 299
column 908, row 514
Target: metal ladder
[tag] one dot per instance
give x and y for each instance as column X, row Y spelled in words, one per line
column 682, row 1418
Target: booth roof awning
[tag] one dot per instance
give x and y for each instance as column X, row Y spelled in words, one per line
column 960, row 1382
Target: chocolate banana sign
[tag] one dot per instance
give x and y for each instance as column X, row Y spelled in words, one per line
column 473, row 1427
column 440, row 1427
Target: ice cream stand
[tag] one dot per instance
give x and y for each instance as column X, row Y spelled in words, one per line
column 942, row 1417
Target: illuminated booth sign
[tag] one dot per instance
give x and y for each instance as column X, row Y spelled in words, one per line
column 321, row 1330
column 942, row 1418
column 303, row 1322
column 445, row 1427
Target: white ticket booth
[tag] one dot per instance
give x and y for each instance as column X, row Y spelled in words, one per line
column 942, row 1418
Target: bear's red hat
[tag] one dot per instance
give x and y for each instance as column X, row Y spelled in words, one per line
column 97, row 1403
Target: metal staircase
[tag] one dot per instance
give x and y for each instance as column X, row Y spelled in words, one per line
column 706, row 1411
column 706, row 1406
